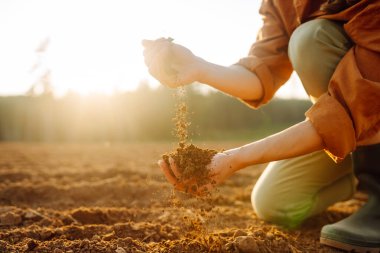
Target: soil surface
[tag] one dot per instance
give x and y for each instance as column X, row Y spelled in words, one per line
column 112, row 198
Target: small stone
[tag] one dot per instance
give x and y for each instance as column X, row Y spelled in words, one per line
column 58, row 251
column 32, row 244
column 109, row 237
column 30, row 215
column 120, row 250
column 96, row 238
column 270, row 236
column 46, row 234
column 67, row 220
column 10, row 219
column 246, row 244
column 45, row 222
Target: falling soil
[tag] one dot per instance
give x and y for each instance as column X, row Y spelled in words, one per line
column 191, row 161
column 57, row 198
column 181, row 118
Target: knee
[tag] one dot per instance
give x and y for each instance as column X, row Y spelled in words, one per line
column 315, row 49
column 278, row 207
column 306, row 40
column 262, row 204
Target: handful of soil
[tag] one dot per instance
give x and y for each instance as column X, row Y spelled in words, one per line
column 192, row 162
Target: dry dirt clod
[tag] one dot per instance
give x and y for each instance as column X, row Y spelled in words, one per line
column 96, row 238
column 88, row 216
column 32, row 244
column 246, row 244
column 10, row 219
column 109, row 237
column 120, row 250
column 270, row 236
column 46, row 234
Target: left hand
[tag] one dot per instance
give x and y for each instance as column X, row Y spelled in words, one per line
column 222, row 166
column 172, row 64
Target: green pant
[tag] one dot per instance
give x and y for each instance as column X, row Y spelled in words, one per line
column 289, row 191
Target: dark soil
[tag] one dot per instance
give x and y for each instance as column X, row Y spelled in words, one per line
column 192, row 162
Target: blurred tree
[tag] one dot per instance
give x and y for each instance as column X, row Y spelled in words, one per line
column 143, row 114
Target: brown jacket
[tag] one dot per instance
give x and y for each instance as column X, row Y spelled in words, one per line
column 350, row 110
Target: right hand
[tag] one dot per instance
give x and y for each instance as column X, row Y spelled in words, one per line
column 222, row 166
column 170, row 63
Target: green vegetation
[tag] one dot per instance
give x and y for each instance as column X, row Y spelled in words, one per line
column 141, row 115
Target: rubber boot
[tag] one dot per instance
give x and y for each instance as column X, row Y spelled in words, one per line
column 360, row 232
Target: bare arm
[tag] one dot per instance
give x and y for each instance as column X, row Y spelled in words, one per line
column 297, row 140
column 175, row 65
column 234, row 80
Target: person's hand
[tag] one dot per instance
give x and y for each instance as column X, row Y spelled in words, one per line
column 170, row 63
column 222, row 166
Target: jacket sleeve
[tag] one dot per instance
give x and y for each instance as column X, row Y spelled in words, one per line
column 350, row 111
column 268, row 56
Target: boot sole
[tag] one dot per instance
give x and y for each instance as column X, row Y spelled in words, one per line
column 348, row 247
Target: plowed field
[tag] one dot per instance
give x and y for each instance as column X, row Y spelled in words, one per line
column 113, row 198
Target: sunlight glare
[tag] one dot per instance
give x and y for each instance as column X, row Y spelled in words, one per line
column 95, row 45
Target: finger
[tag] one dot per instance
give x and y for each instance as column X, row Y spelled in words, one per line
column 168, row 173
column 159, row 62
column 147, row 43
column 161, row 48
column 155, row 55
column 164, row 79
column 156, row 70
column 174, row 168
column 160, row 53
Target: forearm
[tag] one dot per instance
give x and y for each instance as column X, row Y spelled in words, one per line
column 297, row 140
column 234, row 80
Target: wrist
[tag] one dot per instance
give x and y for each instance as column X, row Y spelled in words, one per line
column 249, row 154
column 202, row 69
column 237, row 159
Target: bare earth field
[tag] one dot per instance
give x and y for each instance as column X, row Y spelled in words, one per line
column 113, row 198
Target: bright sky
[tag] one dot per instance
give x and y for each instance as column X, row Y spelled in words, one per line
column 95, row 45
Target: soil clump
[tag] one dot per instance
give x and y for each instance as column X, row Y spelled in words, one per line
column 192, row 162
